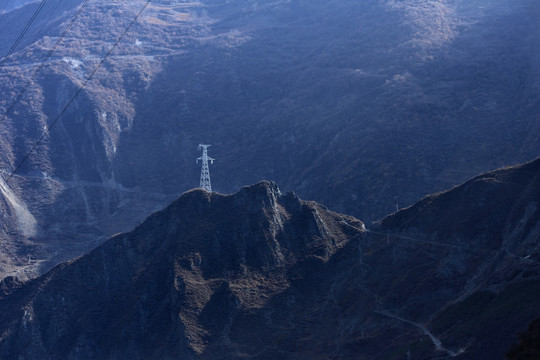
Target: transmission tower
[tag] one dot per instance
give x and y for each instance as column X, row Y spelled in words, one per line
column 205, row 171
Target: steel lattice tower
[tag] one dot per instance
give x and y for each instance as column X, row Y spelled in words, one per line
column 205, row 171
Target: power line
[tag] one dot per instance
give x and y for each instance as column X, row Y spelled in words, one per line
column 21, row 35
column 437, row 243
column 468, row 249
column 81, row 88
column 49, row 54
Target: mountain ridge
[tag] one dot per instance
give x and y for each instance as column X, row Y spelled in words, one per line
column 185, row 258
column 222, row 273
column 501, row 210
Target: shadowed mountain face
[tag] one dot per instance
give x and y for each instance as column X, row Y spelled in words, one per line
column 264, row 275
column 183, row 284
column 493, row 220
column 356, row 104
column 528, row 347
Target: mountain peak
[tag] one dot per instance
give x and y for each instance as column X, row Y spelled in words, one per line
column 262, row 194
column 257, row 227
column 187, row 269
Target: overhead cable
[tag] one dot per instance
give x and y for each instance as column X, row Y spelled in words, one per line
column 49, row 54
column 21, row 35
column 79, row 90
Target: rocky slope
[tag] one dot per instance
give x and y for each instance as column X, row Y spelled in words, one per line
column 264, row 275
column 492, row 223
column 184, row 284
column 356, row 104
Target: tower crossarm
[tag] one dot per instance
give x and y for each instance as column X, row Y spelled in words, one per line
column 208, row 158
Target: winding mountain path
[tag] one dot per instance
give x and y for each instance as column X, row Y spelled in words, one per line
column 436, row 341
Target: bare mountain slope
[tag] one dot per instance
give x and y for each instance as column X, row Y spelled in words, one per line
column 264, row 275
column 174, row 286
column 357, row 104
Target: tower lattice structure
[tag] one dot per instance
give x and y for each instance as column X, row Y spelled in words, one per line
column 205, row 170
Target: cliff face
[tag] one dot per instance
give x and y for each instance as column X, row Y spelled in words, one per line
column 264, row 275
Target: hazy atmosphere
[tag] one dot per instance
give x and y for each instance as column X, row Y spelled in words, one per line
column 370, row 189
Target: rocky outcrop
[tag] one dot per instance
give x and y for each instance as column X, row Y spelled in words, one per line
column 211, row 276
